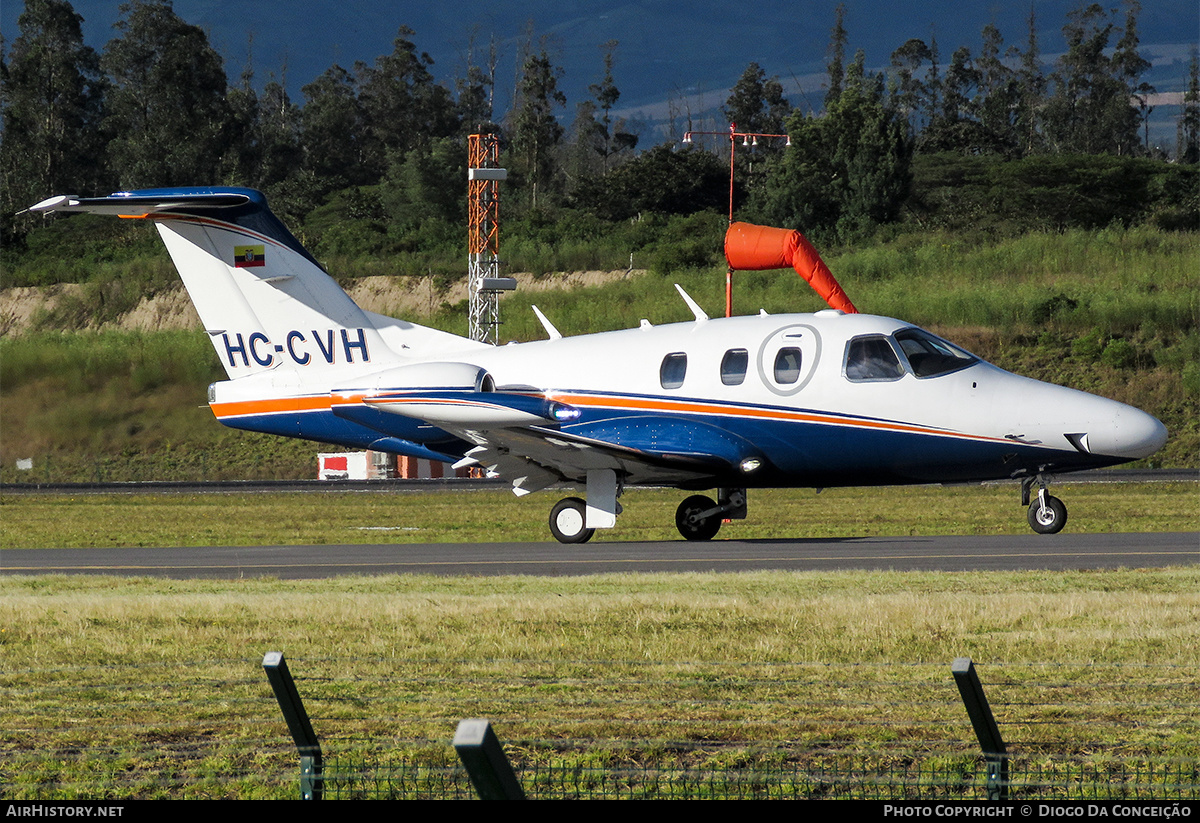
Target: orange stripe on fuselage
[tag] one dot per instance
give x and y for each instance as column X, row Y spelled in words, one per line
column 284, row 405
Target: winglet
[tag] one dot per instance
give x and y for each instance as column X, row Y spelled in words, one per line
column 554, row 333
column 692, row 304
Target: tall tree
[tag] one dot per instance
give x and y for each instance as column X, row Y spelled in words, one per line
column 1030, row 91
column 1090, row 111
column 332, row 131
column 756, row 103
column 536, row 133
column 1188, row 145
column 1128, row 67
column 997, row 98
column 52, row 106
column 402, row 106
column 614, row 139
column 911, row 93
column 837, row 55
column 845, row 172
column 476, row 92
column 167, row 109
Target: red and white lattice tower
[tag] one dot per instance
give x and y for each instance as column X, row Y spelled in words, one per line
column 484, row 282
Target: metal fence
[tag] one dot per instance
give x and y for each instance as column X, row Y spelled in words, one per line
column 550, row 770
column 212, row 728
column 351, row 775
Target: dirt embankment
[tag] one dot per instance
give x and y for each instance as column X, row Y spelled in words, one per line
column 395, row 296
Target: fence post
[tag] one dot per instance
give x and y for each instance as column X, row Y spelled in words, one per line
column 481, row 754
column 312, row 766
column 984, row 723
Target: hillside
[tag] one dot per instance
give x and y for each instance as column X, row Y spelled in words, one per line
column 1113, row 312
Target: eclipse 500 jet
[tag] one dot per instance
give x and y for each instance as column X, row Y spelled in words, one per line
column 831, row 398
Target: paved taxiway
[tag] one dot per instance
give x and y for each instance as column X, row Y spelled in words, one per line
column 1019, row 552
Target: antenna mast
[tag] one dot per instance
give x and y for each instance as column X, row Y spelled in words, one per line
column 484, row 282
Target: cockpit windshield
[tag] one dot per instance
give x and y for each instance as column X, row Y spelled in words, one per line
column 931, row 356
column 875, row 357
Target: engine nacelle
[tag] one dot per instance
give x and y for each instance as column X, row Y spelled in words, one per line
column 429, row 376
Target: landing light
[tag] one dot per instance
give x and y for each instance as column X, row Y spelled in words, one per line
column 750, row 464
column 564, row 413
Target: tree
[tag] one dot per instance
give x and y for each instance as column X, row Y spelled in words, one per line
column 845, row 172
column 1128, row 67
column 997, row 97
column 167, row 108
column 613, row 138
column 1030, row 91
column 661, row 180
column 52, row 107
column 276, row 135
column 1090, row 111
column 402, row 107
column 332, row 131
column 475, row 92
column 956, row 127
column 837, row 55
column 535, row 130
column 1188, row 149
column 911, row 93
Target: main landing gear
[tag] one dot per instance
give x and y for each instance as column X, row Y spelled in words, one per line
column 568, row 519
column 1047, row 514
column 573, row 520
column 700, row 518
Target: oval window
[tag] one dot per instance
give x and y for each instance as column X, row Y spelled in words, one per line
column 787, row 365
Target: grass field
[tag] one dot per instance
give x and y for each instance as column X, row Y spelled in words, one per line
column 131, row 687
column 115, row 687
column 107, row 520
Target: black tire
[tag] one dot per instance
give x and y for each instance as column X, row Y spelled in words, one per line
column 699, row 530
column 1049, row 519
column 567, row 520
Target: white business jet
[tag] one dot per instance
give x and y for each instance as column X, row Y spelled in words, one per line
column 833, row 398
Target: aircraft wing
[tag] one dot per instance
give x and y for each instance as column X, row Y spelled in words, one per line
column 533, row 441
column 534, row 457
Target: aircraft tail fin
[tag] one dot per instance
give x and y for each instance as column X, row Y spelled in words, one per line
column 265, row 302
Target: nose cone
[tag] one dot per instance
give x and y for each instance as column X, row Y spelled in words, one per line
column 1126, row 432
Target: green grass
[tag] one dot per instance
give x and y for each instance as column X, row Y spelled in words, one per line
column 85, row 520
column 120, row 687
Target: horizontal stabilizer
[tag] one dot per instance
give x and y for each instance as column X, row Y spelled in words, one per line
column 127, row 204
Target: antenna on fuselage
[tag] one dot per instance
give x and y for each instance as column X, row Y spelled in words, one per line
column 554, row 333
column 692, row 304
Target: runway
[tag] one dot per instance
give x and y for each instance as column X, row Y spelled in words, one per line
column 1059, row 552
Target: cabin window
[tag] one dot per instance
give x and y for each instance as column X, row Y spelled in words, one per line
column 733, row 367
column 787, row 365
column 673, row 370
column 872, row 358
column 931, row 356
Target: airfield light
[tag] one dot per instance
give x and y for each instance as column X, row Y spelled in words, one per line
column 749, row 138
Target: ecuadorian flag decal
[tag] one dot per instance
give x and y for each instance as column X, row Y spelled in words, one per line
column 246, row 257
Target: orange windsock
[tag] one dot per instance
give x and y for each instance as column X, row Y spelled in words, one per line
column 755, row 248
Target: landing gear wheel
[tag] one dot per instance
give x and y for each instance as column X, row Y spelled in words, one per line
column 1049, row 518
column 567, row 520
column 694, row 529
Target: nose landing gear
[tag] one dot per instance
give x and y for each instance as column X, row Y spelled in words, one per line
column 1047, row 514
